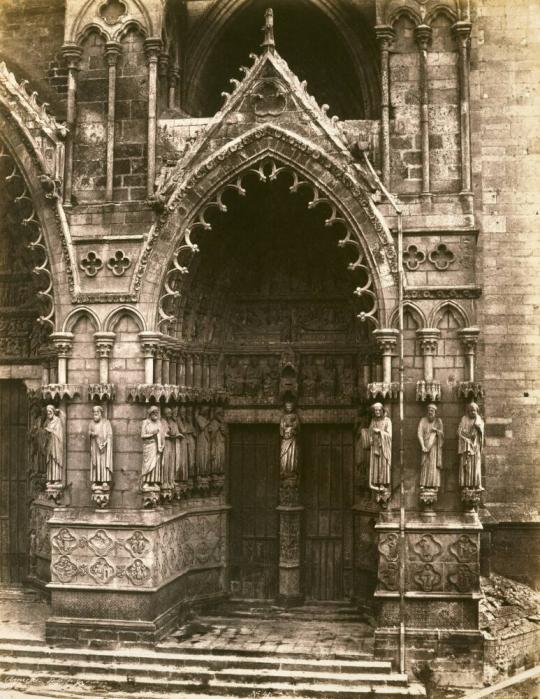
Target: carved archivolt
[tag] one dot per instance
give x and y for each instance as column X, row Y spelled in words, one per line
column 22, row 201
column 267, row 169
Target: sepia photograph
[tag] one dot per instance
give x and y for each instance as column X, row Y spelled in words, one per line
column 269, row 349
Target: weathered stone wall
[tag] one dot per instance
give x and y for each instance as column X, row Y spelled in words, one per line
column 31, row 33
column 505, row 157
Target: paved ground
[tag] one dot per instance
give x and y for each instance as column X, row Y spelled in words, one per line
column 285, row 632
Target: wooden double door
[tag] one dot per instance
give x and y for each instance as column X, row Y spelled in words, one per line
column 13, row 482
column 326, row 462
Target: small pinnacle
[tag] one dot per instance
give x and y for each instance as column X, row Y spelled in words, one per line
column 268, row 44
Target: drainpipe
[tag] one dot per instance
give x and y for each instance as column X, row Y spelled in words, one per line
column 402, row 508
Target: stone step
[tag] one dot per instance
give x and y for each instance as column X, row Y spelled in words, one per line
column 201, row 674
column 219, row 686
column 208, row 658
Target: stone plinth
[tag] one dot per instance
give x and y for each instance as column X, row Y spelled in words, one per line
column 126, row 576
column 441, row 582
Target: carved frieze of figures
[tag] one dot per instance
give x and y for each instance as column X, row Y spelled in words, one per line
column 327, row 378
column 251, row 379
column 153, row 438
column 470, row 447
column 55, row 453
column 431, row 438
column 380, row 453
column 101, row 457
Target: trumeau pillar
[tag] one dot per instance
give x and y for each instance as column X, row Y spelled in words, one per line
column 112, row 51
column 385, row 37
column 72, row 54
column 428, row 388
column 423, row 39
column 152, row 48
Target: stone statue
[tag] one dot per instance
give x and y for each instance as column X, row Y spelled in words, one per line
column 380, row 452
column 101, row 454
column 153, row 438
column 218, row 434
column 202, row 452
column 289, row 428
column 431, row 438
column 185, row 467
column 54, row 445
column 470, row 445
column 169, row 428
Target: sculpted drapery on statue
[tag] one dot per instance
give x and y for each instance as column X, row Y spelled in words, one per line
column 101, row 447
column 289, row 427
column 431, row 438
column 153, row 437
column 186, row 446
column 202, row 453
column 54, row 445
column 218, row 432
column 470, row 446
column 380, row 455
column 169, row 429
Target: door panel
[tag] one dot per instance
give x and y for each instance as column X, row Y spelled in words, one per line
column 13, row 459
column 327, row 485
column 254, row 489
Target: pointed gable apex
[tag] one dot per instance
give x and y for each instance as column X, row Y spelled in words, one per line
column 269, row 93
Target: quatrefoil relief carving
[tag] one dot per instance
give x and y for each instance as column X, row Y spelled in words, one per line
column 91, row 264
column 112, row 11
column 413, row 257
column 119, row 263
column 442, row 257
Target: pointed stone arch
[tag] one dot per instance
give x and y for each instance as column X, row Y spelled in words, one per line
column 32, row 141
column 454, row 308
column 277, row 150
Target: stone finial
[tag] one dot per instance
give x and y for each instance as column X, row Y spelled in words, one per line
column 269, row 43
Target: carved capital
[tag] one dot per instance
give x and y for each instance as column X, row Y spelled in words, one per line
column 72, row 55
column 113, row 49
column 428, row 339
column 63, row 343
column 422, row 34
column 150, row 342
column 385, row 36
column 462, row 33
column 104, row 343
column 163, row 64
column 428, row 390
column 469, row 339
column 152, row 47
column 386, row 339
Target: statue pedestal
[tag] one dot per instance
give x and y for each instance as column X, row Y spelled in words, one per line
column 441, row 586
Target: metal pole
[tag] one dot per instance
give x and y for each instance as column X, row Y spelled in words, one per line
column 402, row 506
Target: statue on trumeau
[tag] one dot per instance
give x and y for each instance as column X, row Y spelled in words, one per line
column 289, row 428
column 431, row 439
column 101, row 457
